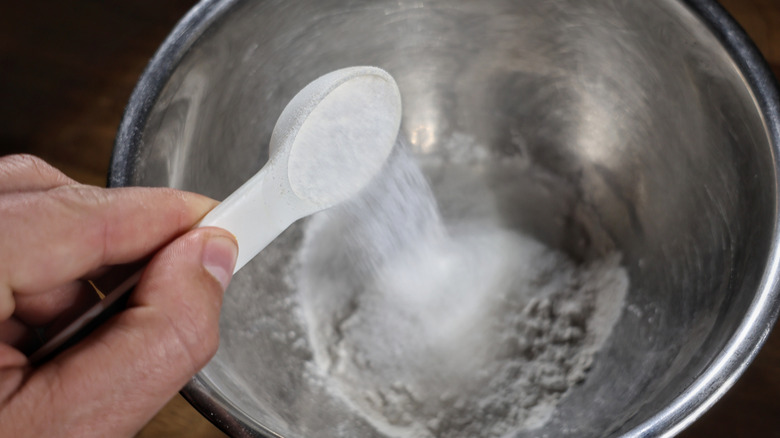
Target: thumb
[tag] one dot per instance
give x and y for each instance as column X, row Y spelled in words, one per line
column 115, row 380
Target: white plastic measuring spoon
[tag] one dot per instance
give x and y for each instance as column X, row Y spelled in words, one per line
column 329, row 142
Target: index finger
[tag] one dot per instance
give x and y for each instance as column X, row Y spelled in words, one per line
column 58, row 235
column 22, row 173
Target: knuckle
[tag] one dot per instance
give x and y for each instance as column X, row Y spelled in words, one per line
column 26, row 164
column 23, row 161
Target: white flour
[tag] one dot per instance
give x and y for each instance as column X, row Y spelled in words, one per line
column 456, row 327
column 358, row 121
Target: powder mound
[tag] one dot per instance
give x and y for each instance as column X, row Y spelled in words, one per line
column 428, row 327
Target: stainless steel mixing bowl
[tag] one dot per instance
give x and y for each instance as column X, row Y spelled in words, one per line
column 660, row 115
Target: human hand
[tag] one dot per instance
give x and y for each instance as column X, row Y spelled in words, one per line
column 55, row 232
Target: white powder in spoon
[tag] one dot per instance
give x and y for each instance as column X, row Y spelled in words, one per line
column 456, row 328
column 359, row 122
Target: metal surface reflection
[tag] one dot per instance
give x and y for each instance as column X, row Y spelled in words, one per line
column 665, row 139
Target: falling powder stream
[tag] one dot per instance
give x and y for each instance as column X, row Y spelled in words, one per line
column 456, row 327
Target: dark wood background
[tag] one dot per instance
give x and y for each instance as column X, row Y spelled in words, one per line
column 66, row 72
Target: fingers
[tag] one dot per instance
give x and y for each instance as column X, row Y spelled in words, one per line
column 45, row 314
column 191, row 307
column 21, row 173
column 53, row 308
column 12, row 374
column 56, row 236
column 142, row 357
column 39, row 316
column 14, row 332
column 41, row 309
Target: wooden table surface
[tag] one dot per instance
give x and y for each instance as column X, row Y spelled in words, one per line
column 66, row 73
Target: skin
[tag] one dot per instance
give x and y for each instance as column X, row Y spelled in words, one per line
column 54, row 233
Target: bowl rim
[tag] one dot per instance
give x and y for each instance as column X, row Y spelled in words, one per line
column 743, row 346
column 697, row 398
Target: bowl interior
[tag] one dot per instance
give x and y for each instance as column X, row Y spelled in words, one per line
column 655, row 141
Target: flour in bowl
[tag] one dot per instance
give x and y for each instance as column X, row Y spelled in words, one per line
column 456, row 326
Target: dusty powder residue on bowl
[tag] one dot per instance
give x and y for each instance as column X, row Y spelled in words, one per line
column 442, row 321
